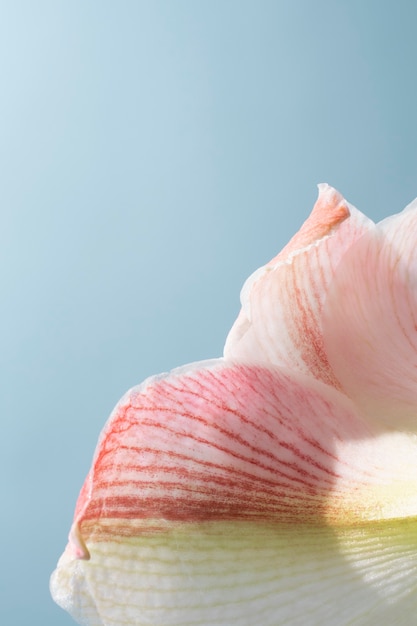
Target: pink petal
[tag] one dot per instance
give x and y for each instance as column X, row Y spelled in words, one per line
column 330, row 210
column 281, row 317
column 232, row 477
column 226, row 443
column 371, row 321
column 237, row 492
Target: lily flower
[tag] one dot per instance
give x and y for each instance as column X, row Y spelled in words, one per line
column 278, row 484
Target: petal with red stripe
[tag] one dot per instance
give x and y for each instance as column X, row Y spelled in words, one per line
column 280, row 321
column 233, row 494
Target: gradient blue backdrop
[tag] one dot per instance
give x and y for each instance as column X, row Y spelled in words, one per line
column 152, row 155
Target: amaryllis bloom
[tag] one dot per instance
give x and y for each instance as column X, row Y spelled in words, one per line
column 278, row 484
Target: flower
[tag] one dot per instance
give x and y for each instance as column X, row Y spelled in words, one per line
column 278, row 484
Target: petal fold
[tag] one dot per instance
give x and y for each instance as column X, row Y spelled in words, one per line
column 280, row 322
column 370, row 319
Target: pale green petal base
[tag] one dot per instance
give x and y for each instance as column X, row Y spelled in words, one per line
column 245, row 574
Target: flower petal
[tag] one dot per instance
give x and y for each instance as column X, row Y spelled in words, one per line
column 280, row 320
column 371, row 321
column 244, row 574
column 224, row 494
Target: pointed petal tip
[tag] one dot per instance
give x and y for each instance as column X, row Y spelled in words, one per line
column 323, row 187
column 329, row 211
column 326, row 190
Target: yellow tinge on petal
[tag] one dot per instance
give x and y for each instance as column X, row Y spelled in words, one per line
column 258, row 488
column 243, row 574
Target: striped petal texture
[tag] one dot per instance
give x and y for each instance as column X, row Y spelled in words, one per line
column 278, row 484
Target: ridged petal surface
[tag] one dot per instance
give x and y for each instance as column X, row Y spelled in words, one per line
column 241, row 574
column 227, row 494
column 281, row 317
column 277, row 485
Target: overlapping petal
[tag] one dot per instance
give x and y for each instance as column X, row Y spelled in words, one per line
column 370, row 321
column 209, row 484
column 277, row 485
column 281, row 317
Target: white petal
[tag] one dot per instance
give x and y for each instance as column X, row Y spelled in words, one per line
column 246, row 574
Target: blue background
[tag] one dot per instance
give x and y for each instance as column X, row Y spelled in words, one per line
column 152, row 155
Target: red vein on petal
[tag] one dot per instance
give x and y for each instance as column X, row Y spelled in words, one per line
column 328, row 212
column 183, row 449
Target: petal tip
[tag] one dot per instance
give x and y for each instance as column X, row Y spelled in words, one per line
column 329, row 211
column 334, row 196
column 323, row 187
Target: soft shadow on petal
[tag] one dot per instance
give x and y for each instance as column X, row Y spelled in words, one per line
column 235, row 494
column 280, row 321
column 370, row 319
